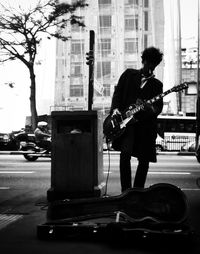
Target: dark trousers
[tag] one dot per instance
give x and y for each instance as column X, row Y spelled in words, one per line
column 125, row 164
column 126, row 174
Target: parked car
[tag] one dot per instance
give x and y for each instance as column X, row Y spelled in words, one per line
column 5, row 140
column 12, row 141
column 198, row 153
column 160, row 144
column 188, row 147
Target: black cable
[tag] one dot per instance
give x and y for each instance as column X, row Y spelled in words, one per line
column 105, row 194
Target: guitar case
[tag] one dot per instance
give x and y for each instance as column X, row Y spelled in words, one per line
column 159, row 210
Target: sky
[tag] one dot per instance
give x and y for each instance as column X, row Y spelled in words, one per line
column 14, row 103
column 189, row 20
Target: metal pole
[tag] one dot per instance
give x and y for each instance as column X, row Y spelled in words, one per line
column 180, row 56
column 198, row 89
column 91, row 72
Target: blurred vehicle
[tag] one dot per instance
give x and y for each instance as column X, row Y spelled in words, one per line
column 20, row 137
column 5, row 141
column 23, row 136
column 160, row 144
column 198, row 153
column 31, row 151
column 11, row 141
column 176, row 130
column 188, row 147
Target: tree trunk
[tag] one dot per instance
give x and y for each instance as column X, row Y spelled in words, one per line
column 33, row 99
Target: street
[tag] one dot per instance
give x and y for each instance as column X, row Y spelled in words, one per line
column 181, row 171
column 23, row 182
column 23, row 204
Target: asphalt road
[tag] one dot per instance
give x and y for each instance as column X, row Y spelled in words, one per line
column 20, row 179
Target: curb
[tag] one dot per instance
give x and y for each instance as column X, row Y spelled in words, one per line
column 111, row 152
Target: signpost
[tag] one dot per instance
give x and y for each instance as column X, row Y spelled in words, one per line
column 90, row 62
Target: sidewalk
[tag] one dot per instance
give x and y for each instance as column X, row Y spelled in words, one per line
column 20, row 236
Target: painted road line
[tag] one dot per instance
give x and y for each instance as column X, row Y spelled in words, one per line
column 169, row 173
column 17, row 172
column 159, row 173
column 4, row 188
column 158, row 164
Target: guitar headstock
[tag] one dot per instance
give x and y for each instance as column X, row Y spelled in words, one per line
column 179, row 87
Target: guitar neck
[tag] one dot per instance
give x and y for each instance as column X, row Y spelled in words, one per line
column 150, row 101
column 133, row 109
column 128, row 115
column 158, row 97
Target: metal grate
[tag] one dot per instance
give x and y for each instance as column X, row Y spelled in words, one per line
column 6, row 219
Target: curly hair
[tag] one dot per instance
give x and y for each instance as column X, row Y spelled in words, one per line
column 153, row 55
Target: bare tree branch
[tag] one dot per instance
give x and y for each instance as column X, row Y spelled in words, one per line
column 21, row 32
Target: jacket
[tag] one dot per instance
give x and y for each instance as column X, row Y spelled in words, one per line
column 144, row 130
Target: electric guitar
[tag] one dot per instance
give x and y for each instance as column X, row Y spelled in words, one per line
column 114, row 125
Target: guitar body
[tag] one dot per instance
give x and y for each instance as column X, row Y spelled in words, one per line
column 114, row 126
column 111, row 128
column 159, row 203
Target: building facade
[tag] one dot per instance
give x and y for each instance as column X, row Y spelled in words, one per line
column 123, row 28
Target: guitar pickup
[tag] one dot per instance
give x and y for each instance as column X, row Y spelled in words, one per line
column 128, row 114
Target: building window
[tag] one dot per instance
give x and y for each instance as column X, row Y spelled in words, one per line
column 146, row 3
column 76, row 69
column 76, row 90
column 104, row 47
column 103, row 69
column 104, row 2
column 131, row 2
column 105, row 23
column 145, row 40
column 131, row 23
column 77, row 47
column 131, row 46
column 146, row 20
column 106, row 90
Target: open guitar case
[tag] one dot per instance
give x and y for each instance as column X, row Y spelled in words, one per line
column 158, row 212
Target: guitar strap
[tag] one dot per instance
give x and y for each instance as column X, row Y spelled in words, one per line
column 145, row 79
